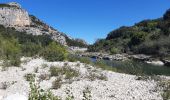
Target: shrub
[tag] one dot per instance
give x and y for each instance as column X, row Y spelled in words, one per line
column 57, row 83
column 138, row 37
column 54, row 71
column 165, row 85
column 30, row 77
column 4, row 85
column 70, row 73
column 65, row 70
column 54, row 52
column 114, row 50
column 30, row 49
column 10, row 51
column 94, row 76
column 39, row 94
column 44, row 77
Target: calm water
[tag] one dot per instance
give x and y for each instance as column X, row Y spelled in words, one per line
column 134, row 67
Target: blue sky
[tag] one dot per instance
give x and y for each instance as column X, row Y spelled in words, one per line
column 93, row 19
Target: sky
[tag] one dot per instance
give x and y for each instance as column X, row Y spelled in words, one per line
column 93, row 19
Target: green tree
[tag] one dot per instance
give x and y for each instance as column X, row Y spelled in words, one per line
column 54, row 52
column 138, row 37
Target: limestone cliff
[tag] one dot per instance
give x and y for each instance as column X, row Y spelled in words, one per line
column 12, row 15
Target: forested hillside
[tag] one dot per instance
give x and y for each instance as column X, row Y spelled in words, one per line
column 147, row 37
column 76, row 42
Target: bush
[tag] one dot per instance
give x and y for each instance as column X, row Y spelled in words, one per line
column 138, row 37
column 114, row 50
column 165, row 86
column 10, row 51
column 158, row 47
column 54, row 71
column 39, row 94
column 65, row 70
column 30, row 77
column 57, row 83
column 54, row 52
column 30, row 49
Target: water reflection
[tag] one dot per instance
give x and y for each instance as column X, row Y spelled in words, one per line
column 136, row 67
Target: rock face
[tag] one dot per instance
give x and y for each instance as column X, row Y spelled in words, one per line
column 12, row 15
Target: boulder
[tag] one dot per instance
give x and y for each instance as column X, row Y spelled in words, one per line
column 167, row 62
column 157, row 63
column 141, row 57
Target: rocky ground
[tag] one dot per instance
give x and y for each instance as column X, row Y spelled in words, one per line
column 83, row 79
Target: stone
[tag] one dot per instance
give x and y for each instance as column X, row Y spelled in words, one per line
column 167, row 62
column 12, row 15
column 16, row 97
column 15, row 4
column 140, row 57
column 118, row 86
column 157, row 63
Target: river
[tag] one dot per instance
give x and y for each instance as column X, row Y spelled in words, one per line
column 136, row 67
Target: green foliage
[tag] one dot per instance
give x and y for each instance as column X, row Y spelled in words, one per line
column 165, row 86
column 73, row 58
column 65, row 70
column 14, row 45
column 114, row 50
column 39, row 94
column 54, row 52
column 10, row 51
column 138, row 37
column 55, row 71
column 101, row 45
column 75, row 42
column 30, row 77
column 160, row 46
column 93, row 76
column 102, row 64
column 57, row 83
column 147, row 36
column 30, row 49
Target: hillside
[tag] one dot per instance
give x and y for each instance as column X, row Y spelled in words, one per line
column 147, row 37
column 13, row 15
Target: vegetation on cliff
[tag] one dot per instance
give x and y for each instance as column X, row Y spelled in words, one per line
column 76, row 42
column 147, row 37
column 14, row 44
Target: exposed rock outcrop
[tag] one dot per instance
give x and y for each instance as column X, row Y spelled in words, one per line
column 12, row 15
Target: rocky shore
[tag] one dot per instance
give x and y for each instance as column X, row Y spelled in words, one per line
column 101, row 85
column 123, row 57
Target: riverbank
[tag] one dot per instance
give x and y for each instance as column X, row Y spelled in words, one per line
column 123, row 57
column 99, row 84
